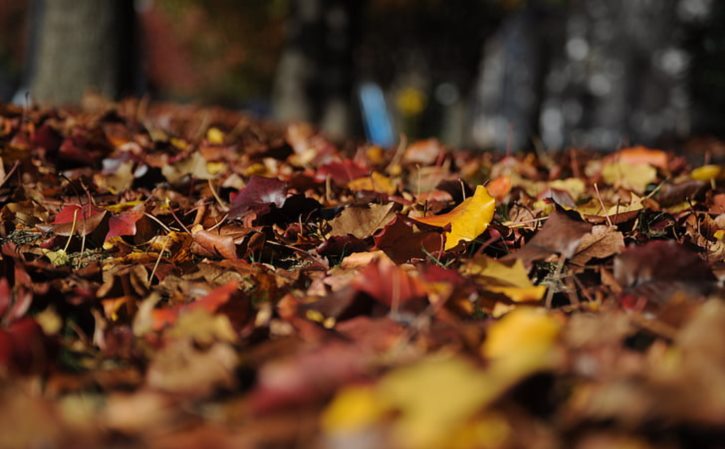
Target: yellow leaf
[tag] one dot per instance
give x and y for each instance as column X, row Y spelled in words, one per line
column 203, row 327
column 594, row 207
column 468, row 220
column 215, row 168
column 49, row 321
column 634, row 177
column 434, row 397
column 489, row 430
column 215, row 136
column 706, row 172
column 353, row 408
column 511, row 280
column 120, row 207
column 573, row 186
column 57, row 258
column 522, row 342
column 374, row 183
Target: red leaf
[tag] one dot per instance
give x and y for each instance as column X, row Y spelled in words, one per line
column 401, row 243
column 258, row 196
column 389, row 284
column 342, row 172
column 86, row 217
column 307, row 376
column 23, row 346
column 212, row 302
column 124, row 223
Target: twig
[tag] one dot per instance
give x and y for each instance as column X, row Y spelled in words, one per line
column 158, row 261
column 601, row 203
column 72, row 230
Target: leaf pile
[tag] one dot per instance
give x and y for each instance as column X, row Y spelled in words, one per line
column 182, row 277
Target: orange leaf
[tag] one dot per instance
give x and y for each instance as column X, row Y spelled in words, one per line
column 499, row 187
column 642, row 155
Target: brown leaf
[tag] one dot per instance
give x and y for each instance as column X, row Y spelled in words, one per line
column 602, row 242
column 362, row 222
column 181, row 368
column 213, row 244
column 559, row 235
column 658, row 270
column 401, row 243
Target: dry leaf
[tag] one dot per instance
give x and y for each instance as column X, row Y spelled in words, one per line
column 362, row 222
column 467, row 221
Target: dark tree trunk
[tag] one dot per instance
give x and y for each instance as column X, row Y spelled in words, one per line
column 315, row 74
column 83, row 45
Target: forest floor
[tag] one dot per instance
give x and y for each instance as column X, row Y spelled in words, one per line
column 177, row 277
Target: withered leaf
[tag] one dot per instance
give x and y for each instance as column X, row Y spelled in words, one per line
column 559, row 235
column 602, row 242
column 362, row 222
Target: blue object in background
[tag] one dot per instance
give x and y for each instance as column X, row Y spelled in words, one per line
column 376, row 119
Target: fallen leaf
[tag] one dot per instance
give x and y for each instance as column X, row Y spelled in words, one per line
column 467, row 221
column 434, row 396
column 116, row 177
column 424, row 152
column 373, row 183
column 510, row 279
column 258, row 196
column 387, row 283
column 640, row 155
column 77, row 219
column 601, row 242
column 194, row 166
column 399, row 241
column 658, row 270
column 124, row 223
column 499, row 187
column 635, row 177
column 706, row 173
column 522, row 342
column 353, row 408
column 362, row 222
column 342, row 172
column 183, row 369
column 559, row 235
column 214, row 244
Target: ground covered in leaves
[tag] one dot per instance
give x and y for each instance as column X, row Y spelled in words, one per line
column 173, row 277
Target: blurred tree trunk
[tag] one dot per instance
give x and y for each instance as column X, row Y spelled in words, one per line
column 588, row 73
column 314, row 78
column 83, row 45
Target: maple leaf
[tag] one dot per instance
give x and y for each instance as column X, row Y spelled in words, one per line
column 467, row 221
